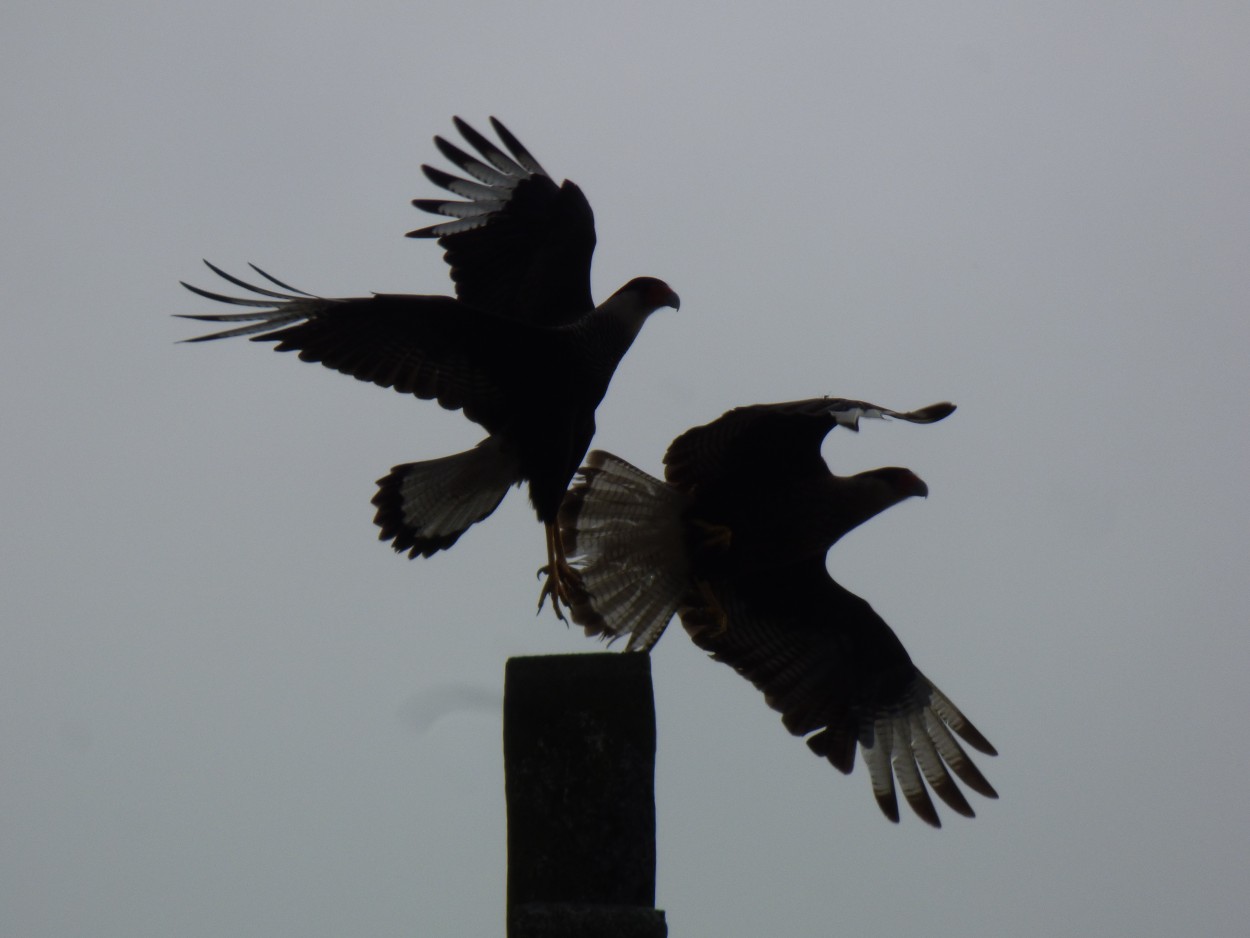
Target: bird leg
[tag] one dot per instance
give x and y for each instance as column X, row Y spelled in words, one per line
column 718, row 536
column 559, row 573
column 709, row 616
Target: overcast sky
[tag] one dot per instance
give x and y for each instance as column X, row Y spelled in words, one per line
column 227, row 709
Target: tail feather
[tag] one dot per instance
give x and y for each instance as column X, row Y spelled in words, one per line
column 424, row 507
column 622, row 534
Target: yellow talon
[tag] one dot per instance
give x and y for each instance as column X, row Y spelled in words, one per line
column 560, row 576
column 712, row 616
column 714, row 535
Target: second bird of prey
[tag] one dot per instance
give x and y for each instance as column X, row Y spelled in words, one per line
column 734, row 542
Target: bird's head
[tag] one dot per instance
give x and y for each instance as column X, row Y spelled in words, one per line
column 649, row 293
column 852, row 500
column 902, row 483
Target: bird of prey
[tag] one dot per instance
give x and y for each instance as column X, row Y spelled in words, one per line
column 735, row 542
column 521, row 349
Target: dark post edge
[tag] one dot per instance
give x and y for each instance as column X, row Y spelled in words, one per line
column 579, row 778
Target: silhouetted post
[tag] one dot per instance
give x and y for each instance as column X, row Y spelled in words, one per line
column 579, row 776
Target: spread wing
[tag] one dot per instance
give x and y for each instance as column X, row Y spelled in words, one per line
column 836, row 671
column 771, row 443
column 430, row 346
column 518, row 244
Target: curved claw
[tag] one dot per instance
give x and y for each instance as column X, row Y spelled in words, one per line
column 554, row 588
column 559, row 575
column 709, row 617
column 718, row 536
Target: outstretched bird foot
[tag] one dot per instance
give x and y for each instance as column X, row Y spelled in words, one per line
column 561, row 578
column 710, row 616
column 550, row 588
column 717, row 536
column 560, row 587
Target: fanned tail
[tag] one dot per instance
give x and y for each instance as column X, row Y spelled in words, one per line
column 622, row 533
column 424, row 507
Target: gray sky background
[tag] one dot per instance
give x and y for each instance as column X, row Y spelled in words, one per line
column 225, row 708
